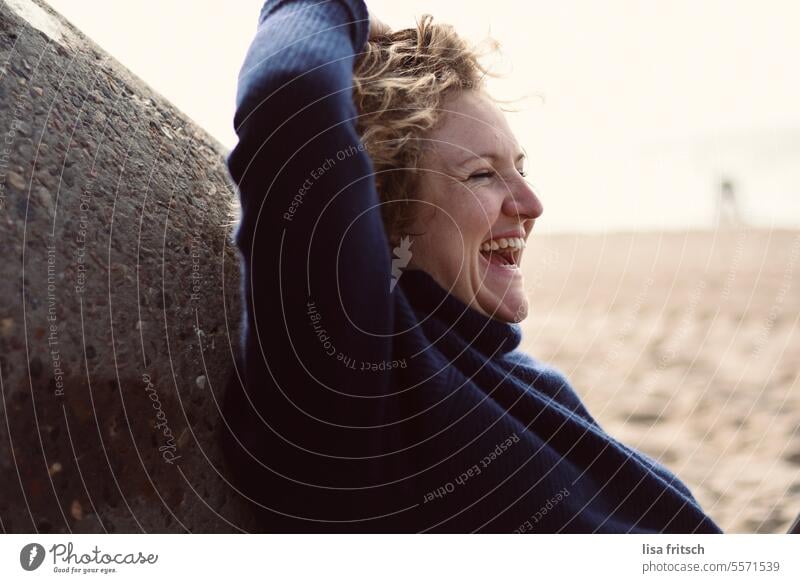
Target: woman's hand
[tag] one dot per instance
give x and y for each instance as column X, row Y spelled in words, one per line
column 377, row 28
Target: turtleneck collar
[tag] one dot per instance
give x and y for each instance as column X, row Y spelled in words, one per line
column 489, row 335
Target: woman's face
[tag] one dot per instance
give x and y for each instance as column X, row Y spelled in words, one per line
column 474, row 199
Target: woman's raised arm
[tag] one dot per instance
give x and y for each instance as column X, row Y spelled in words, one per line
column 315, row 261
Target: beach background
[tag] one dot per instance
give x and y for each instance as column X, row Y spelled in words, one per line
column 686, row 346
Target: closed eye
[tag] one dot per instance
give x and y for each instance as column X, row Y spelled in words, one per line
column 489, row 174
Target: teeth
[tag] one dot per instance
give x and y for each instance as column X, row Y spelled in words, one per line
column 503, row 243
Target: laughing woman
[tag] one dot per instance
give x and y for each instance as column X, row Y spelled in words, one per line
column 385, row 216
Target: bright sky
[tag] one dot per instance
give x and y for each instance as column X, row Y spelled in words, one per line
column 643, row 104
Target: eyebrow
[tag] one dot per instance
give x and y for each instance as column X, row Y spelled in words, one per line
column 488, row 156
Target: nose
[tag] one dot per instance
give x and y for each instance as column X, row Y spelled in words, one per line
column 522, row 201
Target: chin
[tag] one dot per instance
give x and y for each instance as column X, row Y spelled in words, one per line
column 514, row 313
column 512, row 308
column 501, row 291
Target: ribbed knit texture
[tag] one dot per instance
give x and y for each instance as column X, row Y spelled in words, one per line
column 371, row 409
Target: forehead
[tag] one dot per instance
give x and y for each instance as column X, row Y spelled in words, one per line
column 471, row 124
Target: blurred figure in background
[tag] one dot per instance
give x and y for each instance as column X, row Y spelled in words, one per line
column 728, row 215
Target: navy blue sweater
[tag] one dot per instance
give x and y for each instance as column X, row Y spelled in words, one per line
column 368, row 407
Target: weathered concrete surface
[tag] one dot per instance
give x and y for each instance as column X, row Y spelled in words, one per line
column 119, row 305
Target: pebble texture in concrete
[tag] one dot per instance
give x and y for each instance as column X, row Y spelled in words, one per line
column 119, row 299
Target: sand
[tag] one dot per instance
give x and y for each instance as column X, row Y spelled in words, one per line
column 686, row 346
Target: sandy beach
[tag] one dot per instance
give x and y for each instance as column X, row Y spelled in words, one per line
column 686, row 346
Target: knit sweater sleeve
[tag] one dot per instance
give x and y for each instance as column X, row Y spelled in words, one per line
column 315, row 262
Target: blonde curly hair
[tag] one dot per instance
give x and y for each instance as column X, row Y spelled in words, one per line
column 399, row 83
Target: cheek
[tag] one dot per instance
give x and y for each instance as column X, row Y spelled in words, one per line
column 476, row 214
column 458, row 219
column 465, row 228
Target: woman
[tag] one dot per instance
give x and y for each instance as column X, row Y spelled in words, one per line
column 384, row 218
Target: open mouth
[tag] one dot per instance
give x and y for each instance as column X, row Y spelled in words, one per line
column 503, row 252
